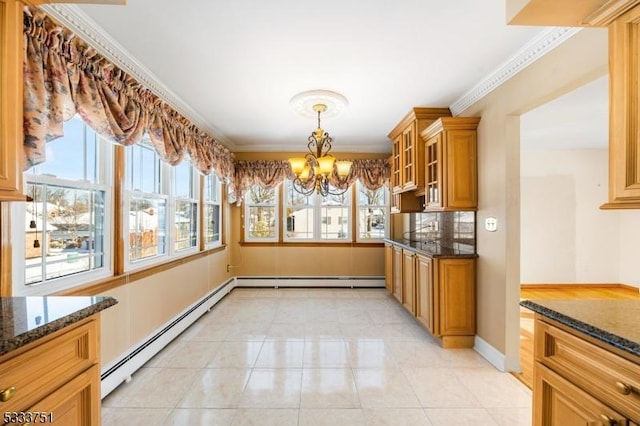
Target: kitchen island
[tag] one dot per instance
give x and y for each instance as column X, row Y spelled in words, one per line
column 587, row 362
column 49, row 359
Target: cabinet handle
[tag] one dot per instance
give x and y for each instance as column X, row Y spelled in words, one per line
column 608, row 420
column 7, row 394
column 623, row 388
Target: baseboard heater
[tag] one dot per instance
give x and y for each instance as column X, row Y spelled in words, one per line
column 123, row 368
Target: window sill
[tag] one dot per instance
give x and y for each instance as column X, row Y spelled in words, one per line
column 311, row 244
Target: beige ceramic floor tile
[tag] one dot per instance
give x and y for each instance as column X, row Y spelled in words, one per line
column 134, row 416
column 386, row 387
column 494, row 389
column 266, row 417
column 460, row 417
column 216, row 388
column 325, row 353
column 440, row 388
column 511, row 416
column 396, row 417
column 273, row 388
column 370, row 353
column 331, row 417
column 328, row 388
column 236, row 354
column 281, row 354
column 200, row 417
column 186, row 354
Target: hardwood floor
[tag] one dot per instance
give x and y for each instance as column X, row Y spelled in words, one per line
column 558, row 292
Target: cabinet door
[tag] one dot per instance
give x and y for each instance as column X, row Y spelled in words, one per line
column 409, row 163
column 11, row 46
column 408, row 284
column 388, row 267
column 624, row 99
column 425, row 308
column 455, row 293
column 396, row 165
column 460, row 179
column 75, row 404
column 433, row 171
column 397, row 273
column 556, row 402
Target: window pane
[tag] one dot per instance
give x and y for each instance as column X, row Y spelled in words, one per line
column 183, row 178
column 262, row 223
column 73, row 156
column 211, row 188
column 371, row 222
column 211, row 223
column 65, row 232
column 368, row 197
column 258, row 195
column 186, row 221
column 337, row 224
column 143, row 168
column 147, row 228
column 300, row 222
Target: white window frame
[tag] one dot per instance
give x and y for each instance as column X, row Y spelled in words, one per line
column 214, row 199
column 104, row 175
column 194, row 199
column 317, row 207
column 247, row 217
column 385, row 207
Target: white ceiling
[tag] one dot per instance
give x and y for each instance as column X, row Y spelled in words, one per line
column 577, row 120
column 238, row 63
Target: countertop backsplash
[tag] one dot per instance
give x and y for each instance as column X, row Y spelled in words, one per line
column 455, row 230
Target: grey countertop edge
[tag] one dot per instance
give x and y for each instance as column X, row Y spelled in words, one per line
column 588, row 329
column 25, row 338
column 403, row 243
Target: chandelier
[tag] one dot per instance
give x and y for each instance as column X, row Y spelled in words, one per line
column 318, row 168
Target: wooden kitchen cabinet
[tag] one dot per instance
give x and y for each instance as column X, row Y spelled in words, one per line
column 579, row 382
column 451, row 164
column 425, row 302
column 58, row 375
column 397, row 273
column 11, row 77
column 407, row 164
column 405, row 202
column 408, row 281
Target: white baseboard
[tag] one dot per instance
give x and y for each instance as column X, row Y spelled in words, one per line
column 276, row 282
column 123, row 367
column 495, row 357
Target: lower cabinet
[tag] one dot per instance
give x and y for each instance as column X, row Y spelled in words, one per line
column 55, row 379
column 388, row 267
column 577, row 382
column 439, row 292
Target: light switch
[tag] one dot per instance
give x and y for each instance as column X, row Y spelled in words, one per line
column 491, row 224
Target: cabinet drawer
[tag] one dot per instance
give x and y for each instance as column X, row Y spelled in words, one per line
column 45, row 367
column 603, row 374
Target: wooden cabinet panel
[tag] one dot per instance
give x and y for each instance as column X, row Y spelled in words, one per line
column 426, row 308
column 456, row 297
column 405, row 202
column 396, row 164
column 451, row 172
column 397, row 273
column 11, row 52
column 624, row 96
column 388, row 267
column 556, row 402
column 408, row 281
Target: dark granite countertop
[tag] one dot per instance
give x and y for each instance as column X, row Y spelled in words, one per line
column 26, row 319
column 614, row 322
column 433, row 249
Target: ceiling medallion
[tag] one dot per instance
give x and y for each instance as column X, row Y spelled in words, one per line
column 303, row 103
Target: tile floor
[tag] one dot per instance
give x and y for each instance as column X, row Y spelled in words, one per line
column 315, row 357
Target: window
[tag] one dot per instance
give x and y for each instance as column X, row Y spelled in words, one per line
column 212, row 215
column 185, row 191
column 261, row 214
column 317, row 218
column 373, row 211
column 145, row 198
column 65, row 238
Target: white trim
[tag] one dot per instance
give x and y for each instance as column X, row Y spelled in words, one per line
column 495, row 357
column 535, row 49
column 91, row 32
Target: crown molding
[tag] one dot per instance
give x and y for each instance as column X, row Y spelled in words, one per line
column 546, row 41
column 382, row 149
column 92, row 33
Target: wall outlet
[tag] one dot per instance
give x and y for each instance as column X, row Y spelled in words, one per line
column 491, row 224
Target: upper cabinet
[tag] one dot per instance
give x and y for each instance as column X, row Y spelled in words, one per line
column 11, row 48
column 407, row 166
column 622, row 17
column 451, row 164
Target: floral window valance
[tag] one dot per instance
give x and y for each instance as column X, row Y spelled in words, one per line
column 372, row 173
column 63, row 76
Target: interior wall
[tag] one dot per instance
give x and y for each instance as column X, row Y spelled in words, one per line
column 579, row 60
column 563, row 230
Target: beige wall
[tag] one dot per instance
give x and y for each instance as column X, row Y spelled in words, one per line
column 579, row 60
column 563, row 231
